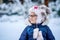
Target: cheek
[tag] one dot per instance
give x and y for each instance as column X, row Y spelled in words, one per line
column 31, row 19
column 35, row 18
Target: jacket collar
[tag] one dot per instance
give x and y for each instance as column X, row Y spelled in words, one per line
column 36, row 25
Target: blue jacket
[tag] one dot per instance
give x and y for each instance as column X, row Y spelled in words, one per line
column 27, row 34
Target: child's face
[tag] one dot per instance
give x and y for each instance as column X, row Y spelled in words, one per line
column 32, row 17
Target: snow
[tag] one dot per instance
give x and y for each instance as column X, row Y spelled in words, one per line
column 12, row 26
column 54, row 25
column 12, row 29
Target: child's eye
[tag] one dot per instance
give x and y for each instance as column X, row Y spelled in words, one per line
column 32, row 15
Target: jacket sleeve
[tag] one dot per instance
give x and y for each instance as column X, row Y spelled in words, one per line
column 24, row 35
column 49, row 34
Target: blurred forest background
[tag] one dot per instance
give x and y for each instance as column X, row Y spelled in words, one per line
column 14, row 12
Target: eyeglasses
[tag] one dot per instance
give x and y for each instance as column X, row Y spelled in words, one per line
column 33, row 15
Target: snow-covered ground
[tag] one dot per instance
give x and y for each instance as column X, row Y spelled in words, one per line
column 54, row 25
column 12, row 27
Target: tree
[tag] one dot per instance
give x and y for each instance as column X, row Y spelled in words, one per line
column 46, row 2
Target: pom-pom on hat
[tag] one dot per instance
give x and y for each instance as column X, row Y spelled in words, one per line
column 35, row 9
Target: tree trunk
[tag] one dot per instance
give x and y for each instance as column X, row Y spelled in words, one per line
column 1, row 1
column 46, row 2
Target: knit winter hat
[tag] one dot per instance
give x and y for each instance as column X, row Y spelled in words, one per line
column 38, row 11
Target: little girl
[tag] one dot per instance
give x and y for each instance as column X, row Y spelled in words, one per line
column 37, row 28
